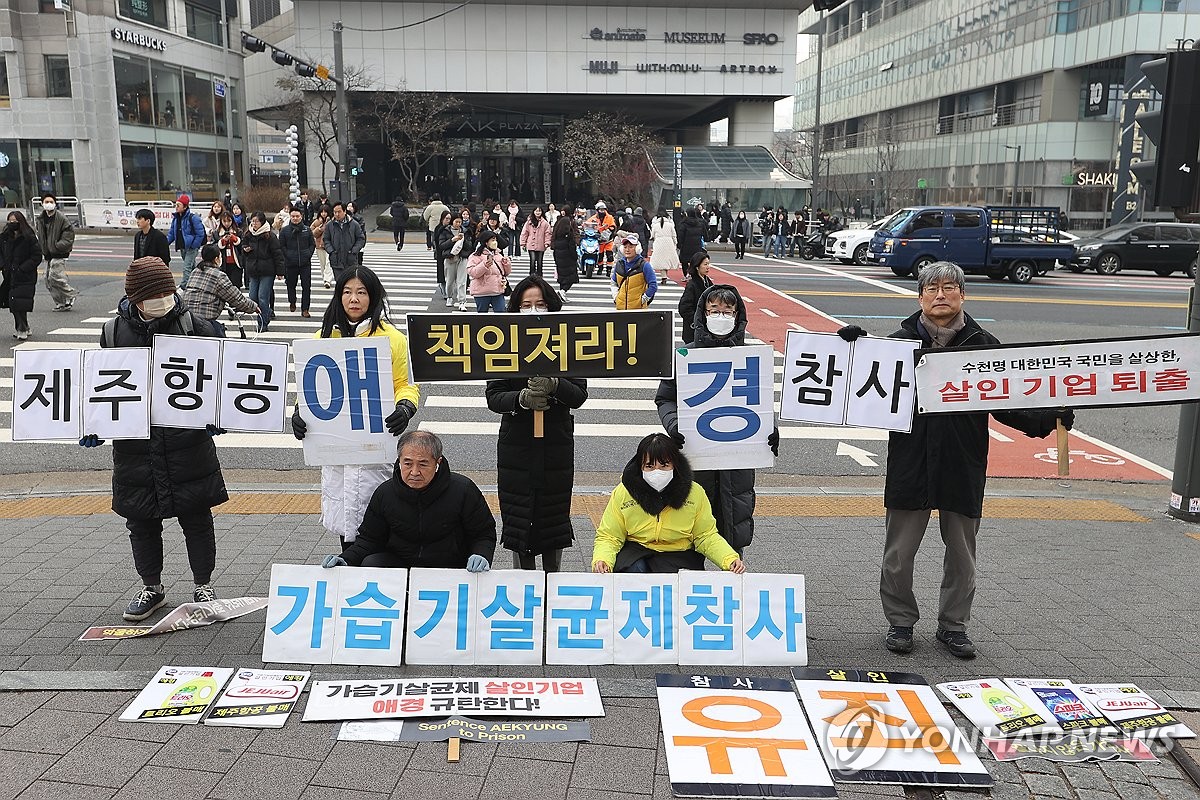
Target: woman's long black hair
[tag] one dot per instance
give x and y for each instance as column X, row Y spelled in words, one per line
column 23, row 227
column 335, row 314
column 552, row 298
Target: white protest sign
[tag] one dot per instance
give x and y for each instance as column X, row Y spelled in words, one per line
column 300, row 613
column 579, row 618
column 1107, row 372
column 996, row 710
column 868, row 383
column 710, row 618
column 644, row 618
column 887, row 727
column 512, row 615
column 344, row 390
column 442, row 610
column 46, row 392
column 726, row 403
column 1133, row 711
column 774, row 620
column 368, row 627
column 253, row 386
column 443, row 697
column 1061, row 700
column 177, row 694
column 116, row 393
column 183, row 381
column 738, row 737
column 258, row 698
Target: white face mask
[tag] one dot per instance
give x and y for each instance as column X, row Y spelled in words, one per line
column 658, row 478
column 157, row 307
column 49, row 207
column 719, row 325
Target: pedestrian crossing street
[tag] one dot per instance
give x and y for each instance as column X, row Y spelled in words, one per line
column 616, row 408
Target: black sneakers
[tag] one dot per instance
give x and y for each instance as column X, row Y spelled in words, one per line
column 145, row 603
column 957, row 642
column 203, row 593
column 899, row 639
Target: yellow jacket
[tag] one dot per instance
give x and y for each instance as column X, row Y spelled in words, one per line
column 672, row 531
column 404, row 390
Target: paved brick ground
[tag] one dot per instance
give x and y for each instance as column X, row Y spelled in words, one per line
column 1087, row 600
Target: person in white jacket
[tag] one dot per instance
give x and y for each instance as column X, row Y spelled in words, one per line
column 664, row 247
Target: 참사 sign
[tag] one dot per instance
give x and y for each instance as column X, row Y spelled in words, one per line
column 1106, row 372
column 611, row 344
column 726, row 405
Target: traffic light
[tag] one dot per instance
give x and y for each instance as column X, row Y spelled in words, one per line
column 352, row 162
column 253, row 43
column 1170, row 178
column 281, row 58
column 826, row 5
column 305, row 70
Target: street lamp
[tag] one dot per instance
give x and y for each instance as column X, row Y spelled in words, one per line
column 1016, row 169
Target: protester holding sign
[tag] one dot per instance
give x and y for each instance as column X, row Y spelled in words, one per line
column 174, row 473
column 719, row 321
column 535, row 476
column 423, row 516
column 357, row 310
column 658, row 519
column 633, row 280
column 940, row 465
column 19, row 258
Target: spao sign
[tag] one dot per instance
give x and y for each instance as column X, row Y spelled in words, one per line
column 140, row 39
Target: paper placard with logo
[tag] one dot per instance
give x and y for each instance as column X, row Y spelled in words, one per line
column 46, row 391
column 887, row 727
column 738, row 737
column 1061, row 699
column 258, row 698
column 726, row 405
column 344, row 391
column 1107, row 372
column 177, row 694
column 443, row 697
column 1133, row 711
column 996, row 710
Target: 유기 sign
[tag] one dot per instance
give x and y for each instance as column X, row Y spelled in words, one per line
column 47, row 387
column 726, row 403
column 1107, row 372
column 612, row 344
column 343, row 391
column 738, row 737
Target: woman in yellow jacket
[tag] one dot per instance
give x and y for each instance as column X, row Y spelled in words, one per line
column 357, row 309
column 657, row 519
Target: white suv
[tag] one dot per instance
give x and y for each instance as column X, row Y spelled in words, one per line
column 852, row 245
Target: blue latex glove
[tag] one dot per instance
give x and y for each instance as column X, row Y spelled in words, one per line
column 333, row 561
column 91, row 440
column 213, row 430
column 478, row 564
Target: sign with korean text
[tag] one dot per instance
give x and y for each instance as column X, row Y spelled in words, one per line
column 726, row 402
column 612, row 344
column 886, row 727
column 258, row 698
column 1133, row 711
column 47, row 389
column 996, row 710
column 738, row 737
column 116, row 393
column 1107, row 372
column 181, row 618
column 344, row 391
column 444, row 697
column 579, row 620
column 183, row 381
column 177, row 694
column 868, row 383
column 1062, row 701
column 253, row 386
column 1070, row 749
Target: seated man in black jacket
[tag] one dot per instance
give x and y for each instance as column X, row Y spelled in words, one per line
column 425, row 516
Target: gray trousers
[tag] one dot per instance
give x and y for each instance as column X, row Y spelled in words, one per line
column 60, row 289
column 904, row 532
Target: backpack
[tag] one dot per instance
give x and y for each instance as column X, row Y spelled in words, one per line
column 108, row 337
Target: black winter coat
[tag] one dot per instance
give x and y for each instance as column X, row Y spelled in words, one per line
column 153, row 243
column 535, row 477
column 688, row 303
column 298, row 245
column 942, row 464
column 262, row 257
column 440, row 526
column 176, row 470
column 730, row 491
column 636, row 224
column 445, row 242
column 19, row 256
column 691, row 239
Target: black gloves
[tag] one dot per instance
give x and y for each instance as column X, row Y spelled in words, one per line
column 299, row 426
column 397, row 421
column 773, row 440
column 542, row 386
column 676, row 436
column 851, row 332
column 213, row 430
column 91, row 440
column 534, row 401
column 1067, row 417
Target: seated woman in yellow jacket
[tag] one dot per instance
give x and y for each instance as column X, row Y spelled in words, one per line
column 658, row 519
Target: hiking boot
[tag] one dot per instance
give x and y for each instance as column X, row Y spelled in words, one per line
column 899, row 639
column 203, row 593
column 145, row 603
column 957, row 642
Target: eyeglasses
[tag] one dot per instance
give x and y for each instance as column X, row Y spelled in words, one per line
column 946, row 289
column 725, row 314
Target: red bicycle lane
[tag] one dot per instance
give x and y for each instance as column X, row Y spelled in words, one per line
column 772, row 314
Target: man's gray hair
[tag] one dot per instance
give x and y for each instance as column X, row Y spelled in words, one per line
column 422, row 440
column 941, row 272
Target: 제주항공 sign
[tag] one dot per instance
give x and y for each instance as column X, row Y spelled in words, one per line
column 1106, row 372
column 611, row 344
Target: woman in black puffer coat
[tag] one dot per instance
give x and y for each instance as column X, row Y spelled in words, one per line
column 536, row 477
column 19, row 256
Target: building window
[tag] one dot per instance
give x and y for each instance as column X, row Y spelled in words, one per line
column 48, row 7
column 203, row 24
column 263, row 10
column 58, row 76
column 168, row 94
column 198, row 100
column 5, row 100
column 135, row 104
column 149, row 12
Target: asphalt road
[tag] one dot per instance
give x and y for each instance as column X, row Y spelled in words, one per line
column 1059, row 306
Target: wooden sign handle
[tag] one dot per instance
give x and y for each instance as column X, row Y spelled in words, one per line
column 452, row 749
column 1064, row 450
column 539, row 424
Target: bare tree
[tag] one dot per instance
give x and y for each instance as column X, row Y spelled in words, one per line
column 611, row 153
column 314, row 101
column 414, row 128
column 890, row 173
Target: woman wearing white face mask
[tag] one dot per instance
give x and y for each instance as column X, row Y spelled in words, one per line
column 488, row 269
column 668, row 526
column 719, row 321
column 536, row 477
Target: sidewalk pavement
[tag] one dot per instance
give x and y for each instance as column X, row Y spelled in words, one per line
column 1089, row 581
